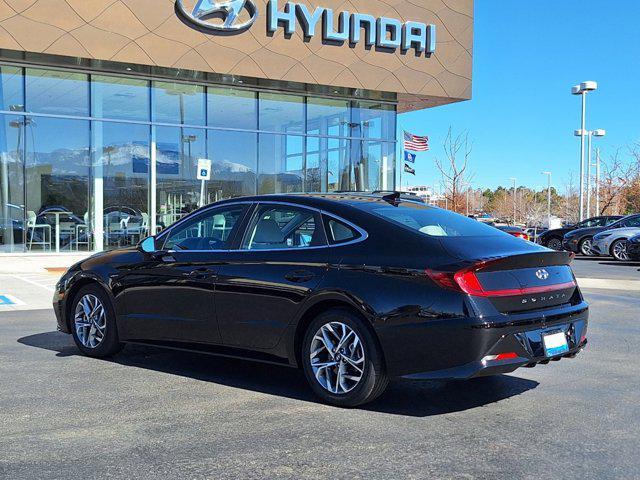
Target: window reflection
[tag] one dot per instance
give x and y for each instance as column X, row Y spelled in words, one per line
column 12, row 214
column 57, row 92
column 326, row 115
column 11, row 89
column 179, row 103
column 57, row 181
column 374, row 120
column 234, row 164
column 281, row 113
column 232, row 108
column 373, row 164
column 281, row 164
column 178, row 189
column 122, row 171
column 120, row 98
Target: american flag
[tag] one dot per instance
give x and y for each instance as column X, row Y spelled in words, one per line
column 415, row 143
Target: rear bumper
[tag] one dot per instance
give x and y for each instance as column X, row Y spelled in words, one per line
column 456, row 348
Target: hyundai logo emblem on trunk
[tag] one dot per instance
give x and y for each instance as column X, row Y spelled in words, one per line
column 227, row 11
column 542, row 274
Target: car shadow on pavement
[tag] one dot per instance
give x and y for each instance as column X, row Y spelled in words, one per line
column 403, row 397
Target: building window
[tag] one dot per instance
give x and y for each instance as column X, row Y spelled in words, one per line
column 178, row 189
column 120, row 98
column 11, row 89
column 121, row 183
column 12, row 214
column 57, row 92
column 232, row 108
column 281, row 164
column 179, row 103
column 57, row 179
column 234, row 164
column 281, row 113
column 76, row 170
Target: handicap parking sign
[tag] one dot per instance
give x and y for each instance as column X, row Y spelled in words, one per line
column 204, row 169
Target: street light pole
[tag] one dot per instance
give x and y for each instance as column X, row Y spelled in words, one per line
column 515, row 196
column 582, row 90
column 597, row 181
column 589, row 175
column 548, row 174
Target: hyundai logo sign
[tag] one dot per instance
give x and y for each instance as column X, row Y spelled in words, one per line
column 221, row 15
column 542, row 274
column 381, row 32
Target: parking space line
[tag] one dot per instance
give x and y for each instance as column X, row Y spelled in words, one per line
column 610, row 284
column 48, row 287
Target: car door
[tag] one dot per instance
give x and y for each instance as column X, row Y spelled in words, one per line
column 170, row 294
column 280, row 260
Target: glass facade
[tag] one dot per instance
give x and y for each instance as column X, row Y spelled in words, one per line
column 93, row 161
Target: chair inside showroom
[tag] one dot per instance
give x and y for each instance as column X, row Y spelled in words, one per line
column 82, row 233
column 42, row 230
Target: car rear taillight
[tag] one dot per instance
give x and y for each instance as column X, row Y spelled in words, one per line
column 522, row 235
column 466, row 281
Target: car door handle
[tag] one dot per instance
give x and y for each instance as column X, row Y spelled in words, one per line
column 299, row 276
column 202, row 273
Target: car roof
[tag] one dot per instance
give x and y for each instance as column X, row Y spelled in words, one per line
column 319, row 200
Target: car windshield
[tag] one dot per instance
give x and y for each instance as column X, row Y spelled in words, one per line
column 432, row 221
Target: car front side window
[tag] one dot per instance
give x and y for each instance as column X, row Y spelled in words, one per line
column 208, row 231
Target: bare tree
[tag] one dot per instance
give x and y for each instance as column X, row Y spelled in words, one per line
column 617, row 176
column 457, row 151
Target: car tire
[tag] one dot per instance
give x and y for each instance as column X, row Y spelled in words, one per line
column 554, row 243
column 93, row 323
column 336, row 384
column 584, row 247
column 619, row 250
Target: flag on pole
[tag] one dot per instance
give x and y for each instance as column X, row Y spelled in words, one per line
column 408, row 169
column 409, row 157
column 415, row 143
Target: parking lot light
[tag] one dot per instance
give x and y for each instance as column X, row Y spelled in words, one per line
column 582, row 89
column 593, row 133
column 514, row 198
column 548, row 174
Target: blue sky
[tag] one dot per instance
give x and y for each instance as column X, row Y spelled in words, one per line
column 527, row 55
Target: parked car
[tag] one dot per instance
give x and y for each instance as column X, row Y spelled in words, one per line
column 633, row 248
column 614, row 242
column 578, row 240
column 313, row 281
column 514, row 231
column 553, row 238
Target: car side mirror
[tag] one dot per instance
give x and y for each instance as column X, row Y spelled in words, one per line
column 148, row 245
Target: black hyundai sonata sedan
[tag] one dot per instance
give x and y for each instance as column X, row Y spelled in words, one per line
column 352, row 288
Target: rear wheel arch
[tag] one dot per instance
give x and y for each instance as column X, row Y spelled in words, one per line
column 318, row 308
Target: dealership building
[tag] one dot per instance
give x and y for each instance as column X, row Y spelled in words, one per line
column 109, row 107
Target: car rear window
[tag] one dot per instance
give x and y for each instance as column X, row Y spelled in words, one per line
column 433, row 221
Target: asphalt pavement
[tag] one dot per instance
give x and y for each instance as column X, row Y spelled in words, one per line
column 151, row 413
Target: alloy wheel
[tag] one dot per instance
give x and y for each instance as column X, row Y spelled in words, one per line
column 554, row 244
column 585, row 247
column 337, row 358
column 90, row 321
column 620, row 251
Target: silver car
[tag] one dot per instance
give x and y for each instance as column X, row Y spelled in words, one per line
column 614, row 242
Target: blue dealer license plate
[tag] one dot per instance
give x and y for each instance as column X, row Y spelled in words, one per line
column 555, row 344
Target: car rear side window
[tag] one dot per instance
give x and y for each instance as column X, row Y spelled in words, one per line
column 283, row 228
column 433, row 221
column 339, row 232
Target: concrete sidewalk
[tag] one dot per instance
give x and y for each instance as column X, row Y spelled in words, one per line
column 39, row 262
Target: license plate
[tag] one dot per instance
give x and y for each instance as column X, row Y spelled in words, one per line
column 555, row 344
